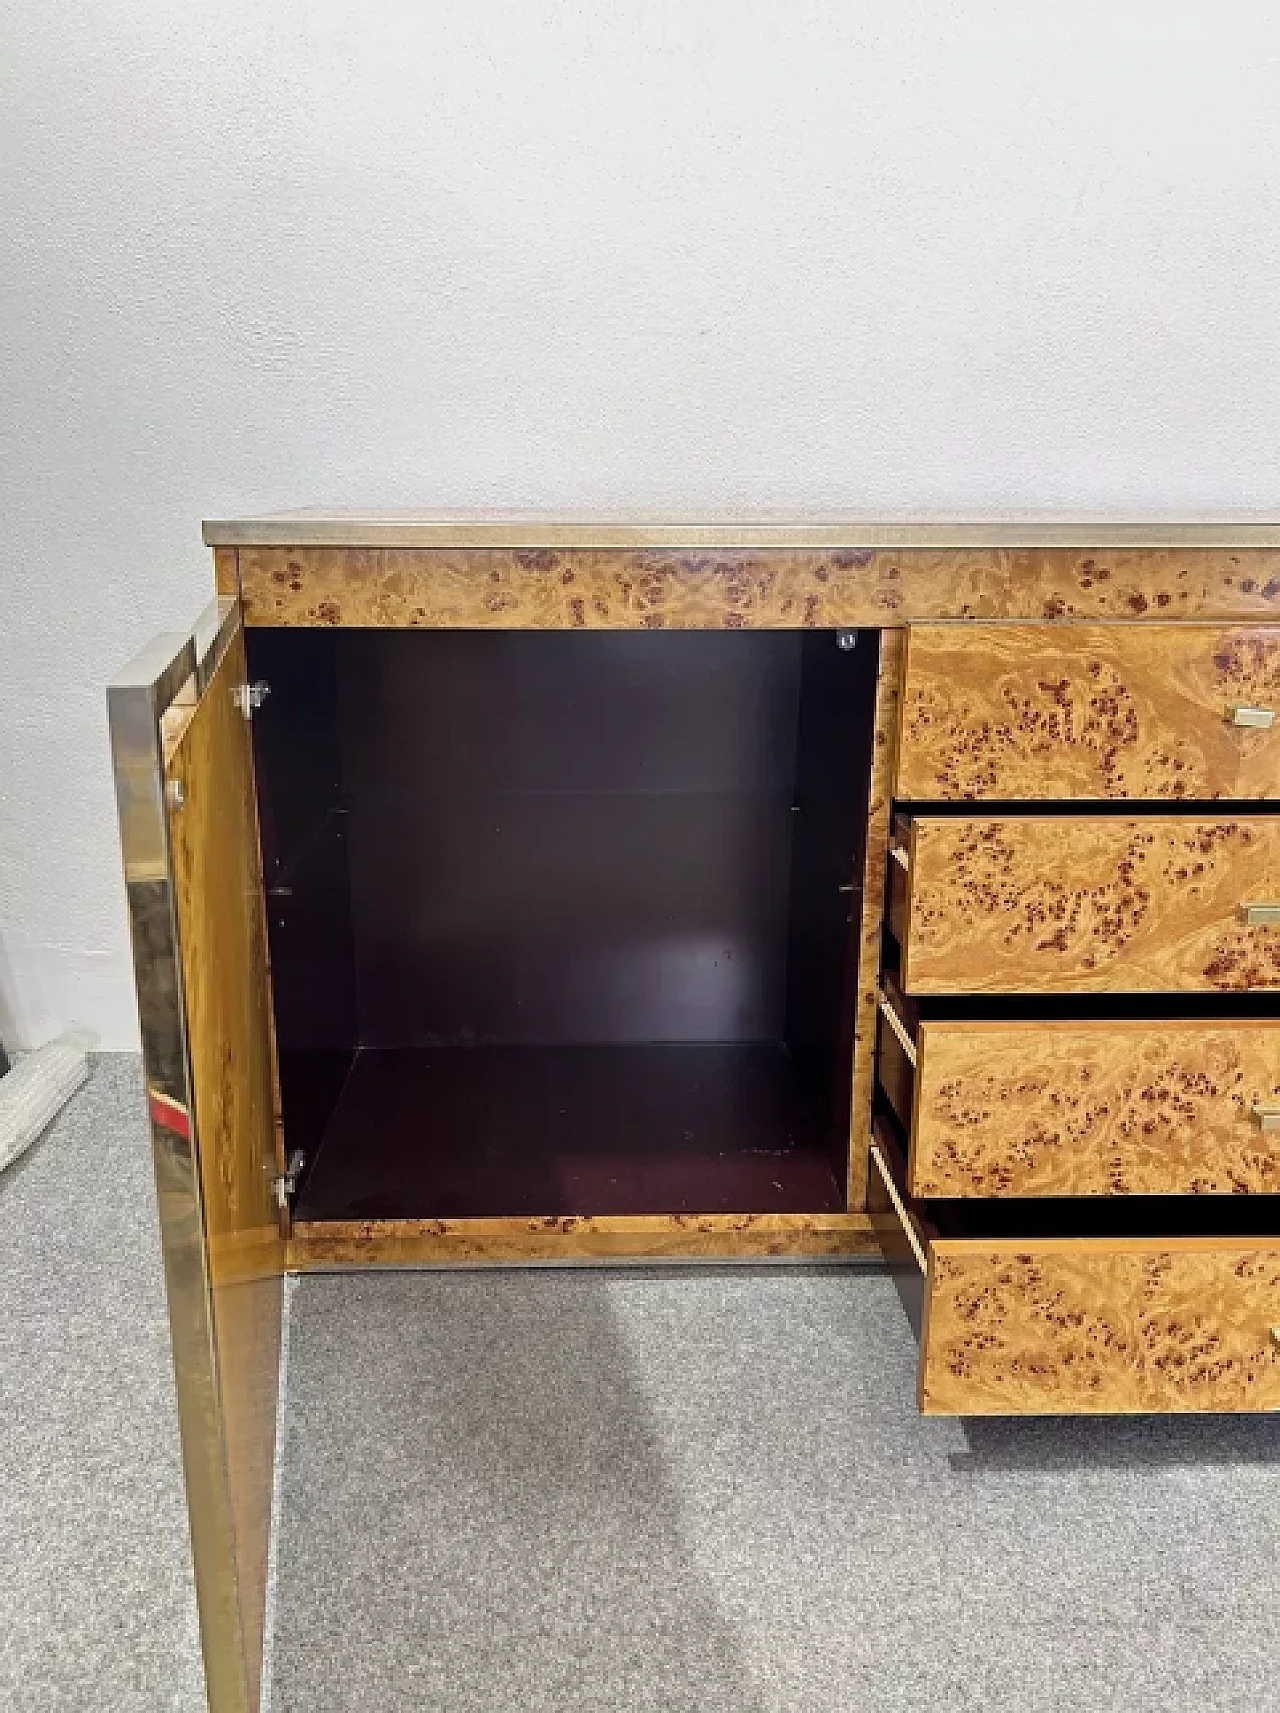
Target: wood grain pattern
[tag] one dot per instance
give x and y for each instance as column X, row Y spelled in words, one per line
column 1064, row 904
column 226, row 570
column 284, row 1214
column 213, row 844
column 1116, row 1108
column 428, row 1242
column 619, row 588
column 1119, row 710
column 1049, row 1327
column 880, row 808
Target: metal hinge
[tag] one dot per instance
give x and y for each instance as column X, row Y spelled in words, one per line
column 250, row 697
column 285, row 1183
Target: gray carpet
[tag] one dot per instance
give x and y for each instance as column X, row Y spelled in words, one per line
column 97, row 1605
column 711, row 1491
column 525, row 1491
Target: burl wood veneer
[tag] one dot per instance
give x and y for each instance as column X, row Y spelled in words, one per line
column 576, row 587
column 1016, row 1327
column 1123, row 1107
column 1087, row 903
column 879, row 816
column 1022, row 711
column 683, row 1237
column 217, row 893
column 1079, row 684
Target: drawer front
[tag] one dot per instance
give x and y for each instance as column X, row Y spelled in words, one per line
column 1183, row 1107
column 1075, row 904
column 993, row 711
column 1100, row 1325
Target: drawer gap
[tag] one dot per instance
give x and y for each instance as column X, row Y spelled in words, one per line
column 1073, row 1007
column 1077, row 1217
column 1106, row 1217
column 1125, row 808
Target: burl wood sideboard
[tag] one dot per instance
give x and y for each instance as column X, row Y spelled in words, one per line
column 511, row 890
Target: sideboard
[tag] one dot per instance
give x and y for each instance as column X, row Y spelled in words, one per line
column 508, row 889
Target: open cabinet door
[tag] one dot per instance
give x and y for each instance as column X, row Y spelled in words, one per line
column 184, row 782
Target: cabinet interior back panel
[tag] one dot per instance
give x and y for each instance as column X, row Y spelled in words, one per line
column 559, row 839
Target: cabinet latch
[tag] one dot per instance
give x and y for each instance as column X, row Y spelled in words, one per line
column 250, row 697
column 285, row 1183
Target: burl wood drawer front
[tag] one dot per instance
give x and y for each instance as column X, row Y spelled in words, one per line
column 1084, row 1326
column 1012, row 711
column 1090, row 903
column 1184, row 1107
column 1081, row 1325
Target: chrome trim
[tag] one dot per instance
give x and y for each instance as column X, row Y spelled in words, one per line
column 169, row 669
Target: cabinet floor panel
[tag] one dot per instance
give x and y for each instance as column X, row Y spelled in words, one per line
column 475, row 1132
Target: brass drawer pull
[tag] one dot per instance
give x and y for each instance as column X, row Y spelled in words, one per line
column 1267, row 1117
column 1275, row 1334
column 1258, row 914
column 1241, row 714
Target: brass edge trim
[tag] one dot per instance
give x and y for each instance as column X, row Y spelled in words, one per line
column 320, row 529
column 212, row 635
column 136, row 700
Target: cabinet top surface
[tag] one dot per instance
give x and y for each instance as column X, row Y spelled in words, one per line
column 320, row 526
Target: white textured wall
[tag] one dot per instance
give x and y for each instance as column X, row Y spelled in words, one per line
column 901, row 255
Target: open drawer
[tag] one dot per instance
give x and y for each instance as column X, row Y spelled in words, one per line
column 1086, row 903
column 1109, row 1323
column 1083, row 1107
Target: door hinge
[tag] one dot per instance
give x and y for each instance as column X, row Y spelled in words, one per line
column 285, row 1183
column 250, row 697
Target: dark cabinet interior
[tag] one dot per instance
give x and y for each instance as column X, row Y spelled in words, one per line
column 564, row 923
